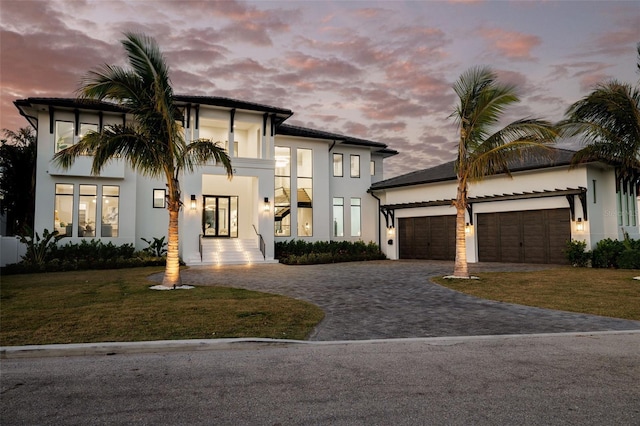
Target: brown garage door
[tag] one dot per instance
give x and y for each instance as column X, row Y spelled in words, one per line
column 535, row 236
column 430, row 237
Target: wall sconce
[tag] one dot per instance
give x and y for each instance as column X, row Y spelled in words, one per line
column 579, row 225
column 391, row 231
column 193, row 202
column 266, row 207
column 468, row 228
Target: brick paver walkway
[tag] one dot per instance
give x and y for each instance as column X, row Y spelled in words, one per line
column 395, row 299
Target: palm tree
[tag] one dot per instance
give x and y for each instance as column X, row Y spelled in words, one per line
column 18, row 179
column 609, row 121
column 153, row 143
column 483, row 151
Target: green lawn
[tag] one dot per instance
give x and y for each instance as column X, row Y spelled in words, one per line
column 607, row 292
column 117, row 305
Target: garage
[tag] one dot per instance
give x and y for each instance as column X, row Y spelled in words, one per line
column 429, row 237
column 533, row 236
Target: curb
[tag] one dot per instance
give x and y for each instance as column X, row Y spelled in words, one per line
column 159, row 346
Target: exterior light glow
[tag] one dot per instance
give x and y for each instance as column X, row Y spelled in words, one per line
column 266, row 207
column 193, row 202
column 579, row 225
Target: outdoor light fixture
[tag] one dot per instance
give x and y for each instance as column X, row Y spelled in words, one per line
column 467, row 228
column 391, row 231
column 579, row 225
column 193, row 202
column 266, row 207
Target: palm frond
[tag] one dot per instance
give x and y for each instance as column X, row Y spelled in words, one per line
column 608, row 121
column 203, row 151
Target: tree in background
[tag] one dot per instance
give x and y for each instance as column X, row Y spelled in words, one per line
column 153, row 144
column 484, row 150
column 18, row 179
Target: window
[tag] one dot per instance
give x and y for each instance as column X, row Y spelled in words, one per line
column 63, row 212
column 110, row 211
column 87, row 211
column 355, row 166
column 337, row 165
column 64, row 135
column 372, row 168
column 355, row 217
column 282, row 196
column 86, row 128
column 159, row 198
column 338, row 217
column 305, row 192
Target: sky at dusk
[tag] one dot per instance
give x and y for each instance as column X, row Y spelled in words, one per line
column 381, row 71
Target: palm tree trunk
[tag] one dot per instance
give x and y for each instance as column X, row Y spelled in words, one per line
column 172, row 270
column 460, row 269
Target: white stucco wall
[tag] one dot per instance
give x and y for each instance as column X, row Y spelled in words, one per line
column 601, row 212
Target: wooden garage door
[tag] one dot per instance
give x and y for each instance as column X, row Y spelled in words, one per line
column 535, row 236
column 430, row 237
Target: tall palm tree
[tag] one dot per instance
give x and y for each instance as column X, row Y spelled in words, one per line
column 483, row 151
column 608, row 119
column 153, row 144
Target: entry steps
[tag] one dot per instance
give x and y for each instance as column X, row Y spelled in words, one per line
column 228, row 251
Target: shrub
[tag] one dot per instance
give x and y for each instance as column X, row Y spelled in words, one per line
column 577, row 254
column 92, row 254
column 606, row 253
column 629, row 259
column 298, row 252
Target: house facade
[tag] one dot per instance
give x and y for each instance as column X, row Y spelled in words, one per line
column 288, row 182
column 526, row 218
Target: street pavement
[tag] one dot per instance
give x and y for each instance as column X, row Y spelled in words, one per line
column 560, row 379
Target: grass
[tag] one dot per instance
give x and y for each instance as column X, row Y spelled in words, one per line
column 117, row 305
column 606, row 292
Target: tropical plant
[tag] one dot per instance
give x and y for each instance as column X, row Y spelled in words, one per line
column 484, row 150
column 153, row 144
column 608, row 120
column 156, row 247
column 18, row 178
column 38, row 249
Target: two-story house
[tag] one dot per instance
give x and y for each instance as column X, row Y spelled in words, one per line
column 288, row 182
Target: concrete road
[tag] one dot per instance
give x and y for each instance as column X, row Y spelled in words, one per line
column 569, row 379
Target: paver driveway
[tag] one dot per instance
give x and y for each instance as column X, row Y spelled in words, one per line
column 395, row 299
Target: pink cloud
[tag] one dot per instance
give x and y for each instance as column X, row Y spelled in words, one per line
column 511, row 44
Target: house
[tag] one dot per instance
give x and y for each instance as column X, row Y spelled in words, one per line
column 525, row 218
column 288, row 182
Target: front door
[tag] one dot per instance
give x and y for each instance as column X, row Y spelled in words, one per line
column 220, row 216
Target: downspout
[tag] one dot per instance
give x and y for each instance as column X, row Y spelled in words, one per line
column 378, row 214
column 332, row 145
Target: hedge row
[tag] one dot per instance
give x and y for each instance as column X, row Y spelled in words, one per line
column 608, row 253
column 298, row 252
column 43, row 255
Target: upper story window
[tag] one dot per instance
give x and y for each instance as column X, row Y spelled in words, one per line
column 355, row 166
column 372, row 168
column 337, row 165
column 86, row 128
column 282, row 196
column 305, row 192
column 64, row 135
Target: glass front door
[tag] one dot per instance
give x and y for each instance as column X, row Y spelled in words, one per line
column 220, row 216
